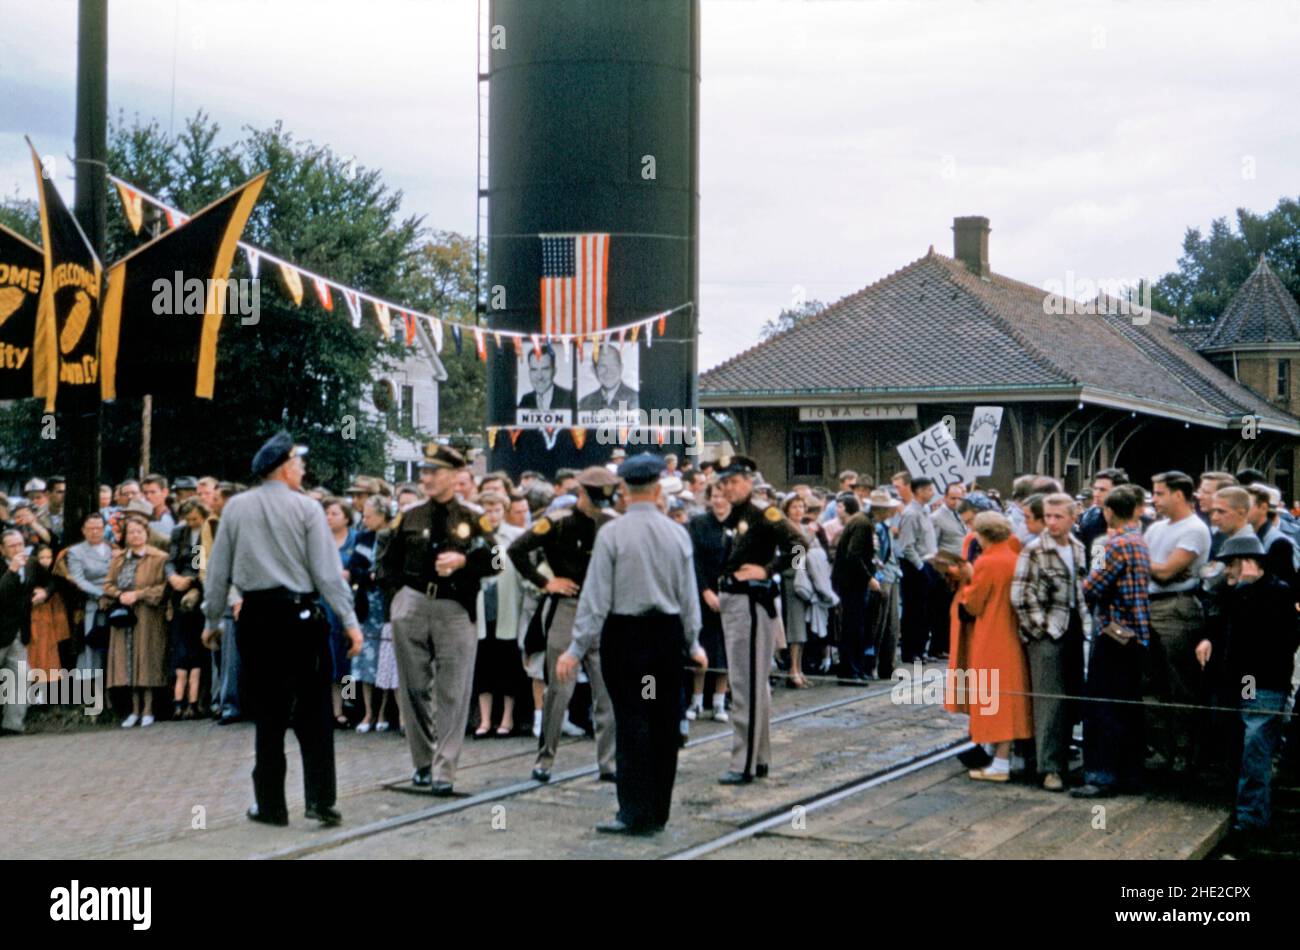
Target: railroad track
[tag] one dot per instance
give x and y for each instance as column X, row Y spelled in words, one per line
column 779, row 817
column 454, row 805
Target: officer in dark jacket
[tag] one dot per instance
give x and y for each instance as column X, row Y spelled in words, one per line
column 1257, row 638
column 761, row 543
column 565, row 539
column 432, row 559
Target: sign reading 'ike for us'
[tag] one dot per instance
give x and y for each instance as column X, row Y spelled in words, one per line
column 934, row 454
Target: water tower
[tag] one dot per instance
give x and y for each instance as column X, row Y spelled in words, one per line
column 592, row 127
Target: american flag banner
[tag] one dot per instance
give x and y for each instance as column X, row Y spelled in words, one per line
column 574, row 287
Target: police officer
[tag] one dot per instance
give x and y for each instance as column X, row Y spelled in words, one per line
column 565, row 538
column 274, row 547
column 433, row 558
column 639, row 607
column 760, row 544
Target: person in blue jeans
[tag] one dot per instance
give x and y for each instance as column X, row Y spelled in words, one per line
column 1257, row 638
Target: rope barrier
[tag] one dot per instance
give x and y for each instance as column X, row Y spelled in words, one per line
column 999, row 693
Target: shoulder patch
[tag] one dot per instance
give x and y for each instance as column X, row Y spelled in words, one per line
column 541, row 526
column 397, row 522
column 772, row 514
column 484, row 523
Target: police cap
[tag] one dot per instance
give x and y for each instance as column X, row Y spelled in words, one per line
column 277, row 450
column 599, row 483
column 728, row 465
column 641, row 469
column 441, row 456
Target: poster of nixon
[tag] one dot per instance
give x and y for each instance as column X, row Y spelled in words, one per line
column 934, row 454
column 544, row 387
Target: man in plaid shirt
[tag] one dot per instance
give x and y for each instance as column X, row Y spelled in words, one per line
column 1047, row 593
column 1114, row 743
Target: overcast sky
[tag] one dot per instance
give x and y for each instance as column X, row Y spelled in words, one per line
column 839, row 137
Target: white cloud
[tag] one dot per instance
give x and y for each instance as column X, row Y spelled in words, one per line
column 1091, row 134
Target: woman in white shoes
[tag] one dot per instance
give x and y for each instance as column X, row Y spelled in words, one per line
column 133, row 599
column 993, row 678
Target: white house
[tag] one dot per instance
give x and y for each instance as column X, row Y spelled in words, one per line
column 406, row 393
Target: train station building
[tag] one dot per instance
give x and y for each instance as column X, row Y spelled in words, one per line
column 1083, row 385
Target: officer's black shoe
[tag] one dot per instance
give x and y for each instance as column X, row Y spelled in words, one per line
column 279, row 820
column 229, row 720
column 327, row 816
column 608, row 777
column 541, row 775
column 441, row 789
column 760, row 771
column 422, row 778
column 735, row 778
column 620, row 827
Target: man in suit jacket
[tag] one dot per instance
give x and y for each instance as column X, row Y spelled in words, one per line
column 541, row 376
column 17, row 593
column 613, row 392
column 853, row 575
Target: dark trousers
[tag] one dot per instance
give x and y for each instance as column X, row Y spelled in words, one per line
column 918, row 595
column 1055, row 670
column 853, row 631
column 1114, row 738
column 940, row 614
column 642, row 658
column 286, row 671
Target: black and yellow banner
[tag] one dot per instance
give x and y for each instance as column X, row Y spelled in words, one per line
column 22, row 269
column 165, row 302
column 66, row 344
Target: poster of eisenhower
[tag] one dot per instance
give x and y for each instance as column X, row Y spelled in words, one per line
column 609, row 385
column 544, row 387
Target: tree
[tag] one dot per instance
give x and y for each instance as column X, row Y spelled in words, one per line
column 1213, row 266
column 296, row 367
column 789, row 317
column 443, row 280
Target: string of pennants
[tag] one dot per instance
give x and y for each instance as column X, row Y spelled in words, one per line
column 551, row 434
column 133, row 200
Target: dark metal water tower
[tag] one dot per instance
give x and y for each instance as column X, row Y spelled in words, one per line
column 592, row 127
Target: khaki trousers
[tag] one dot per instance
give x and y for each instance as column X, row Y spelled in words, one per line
column 750, row 637
column 555, row 701
column 435, row 644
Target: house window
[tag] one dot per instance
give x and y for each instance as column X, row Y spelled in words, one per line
column 408, row 407
column 1283, row 379
column 806, row 450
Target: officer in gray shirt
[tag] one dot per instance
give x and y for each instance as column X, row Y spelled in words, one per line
column 640, row 608
column 274, row 545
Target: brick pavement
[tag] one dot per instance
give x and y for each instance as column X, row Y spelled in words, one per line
column 103, row 790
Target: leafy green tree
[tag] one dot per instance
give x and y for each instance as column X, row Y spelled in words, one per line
column 789, row 317
column 297, row 367
column 1214, row 265
column 443, row 279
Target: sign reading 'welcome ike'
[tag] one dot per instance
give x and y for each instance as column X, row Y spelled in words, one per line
column 852, row 413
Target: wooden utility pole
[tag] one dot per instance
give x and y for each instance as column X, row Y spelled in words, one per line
column 79, row 422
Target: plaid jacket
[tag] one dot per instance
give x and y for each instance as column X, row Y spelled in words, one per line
column 1040, row 590
column 1118, row 588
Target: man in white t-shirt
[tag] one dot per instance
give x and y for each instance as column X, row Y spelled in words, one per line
column 1180, row 545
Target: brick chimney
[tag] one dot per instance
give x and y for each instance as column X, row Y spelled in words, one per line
column 970, row 243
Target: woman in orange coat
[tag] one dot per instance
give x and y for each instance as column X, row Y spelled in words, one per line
column 996, row 677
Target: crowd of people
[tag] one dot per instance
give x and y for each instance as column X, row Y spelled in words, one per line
column 1155, row 629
